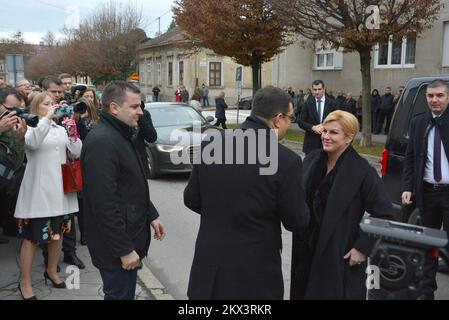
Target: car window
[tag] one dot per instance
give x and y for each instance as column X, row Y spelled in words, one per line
column 420, row 103
column 175, row 116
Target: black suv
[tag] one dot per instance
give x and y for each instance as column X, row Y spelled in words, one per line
column 412, row 102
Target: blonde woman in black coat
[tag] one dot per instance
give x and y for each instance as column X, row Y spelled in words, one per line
column 329, row 261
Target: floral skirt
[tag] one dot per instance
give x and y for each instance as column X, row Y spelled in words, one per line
column 43, row 230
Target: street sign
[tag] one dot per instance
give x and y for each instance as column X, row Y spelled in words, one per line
column 238, row 74
column 239, row 85
column 15, row 67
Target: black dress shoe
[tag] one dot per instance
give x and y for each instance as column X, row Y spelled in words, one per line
column 23, row 298
column 60, row 285
column 74, row 260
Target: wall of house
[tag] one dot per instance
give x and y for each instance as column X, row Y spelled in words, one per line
column 295, row 65
column 3, row 74
column 196, row 71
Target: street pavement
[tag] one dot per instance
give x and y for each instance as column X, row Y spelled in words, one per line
column 90, row 284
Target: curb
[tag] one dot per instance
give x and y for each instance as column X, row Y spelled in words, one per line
column 152, row 285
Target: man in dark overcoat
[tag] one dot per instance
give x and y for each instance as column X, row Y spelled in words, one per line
column 312, row 115
column 238, row 248
column 117, row 207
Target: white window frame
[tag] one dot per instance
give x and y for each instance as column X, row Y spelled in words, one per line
column 159, row 73
column 222, row 73
column 142, row 72
column 402, row 65
column 337, row 57
column 183, row 72
column 445, row 53
column 172, row 73
column 150, row 70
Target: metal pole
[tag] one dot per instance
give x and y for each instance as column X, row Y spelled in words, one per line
column 238, row 108
column 15, row 69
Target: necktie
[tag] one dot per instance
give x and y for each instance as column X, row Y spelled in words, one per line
column 437, row 154
column 319, row 110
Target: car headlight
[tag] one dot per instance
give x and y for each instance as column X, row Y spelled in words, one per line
column 166, row 148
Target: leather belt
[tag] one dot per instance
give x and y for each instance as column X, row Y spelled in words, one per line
column 439, row 186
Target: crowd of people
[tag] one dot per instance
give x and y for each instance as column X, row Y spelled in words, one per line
column 41, row 128
column 382, row 106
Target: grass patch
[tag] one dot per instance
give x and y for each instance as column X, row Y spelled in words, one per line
column 297, row 136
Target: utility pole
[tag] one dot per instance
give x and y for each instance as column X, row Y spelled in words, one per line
column 159, row 19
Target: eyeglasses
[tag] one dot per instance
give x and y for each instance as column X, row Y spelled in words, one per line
column 291, row 117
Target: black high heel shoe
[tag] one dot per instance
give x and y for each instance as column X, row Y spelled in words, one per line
column 23, row 298
column 56, row 285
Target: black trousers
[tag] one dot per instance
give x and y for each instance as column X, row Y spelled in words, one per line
column 119, row 285
column 9, row 201
column 381, row 119
column 222, row 122
column 435, row 213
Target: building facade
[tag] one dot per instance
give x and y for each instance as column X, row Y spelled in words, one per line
column 3, row 74
column 393, row 62
column 166, row 62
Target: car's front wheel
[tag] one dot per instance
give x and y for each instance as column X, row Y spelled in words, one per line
column 152, row 165
column 246, row 105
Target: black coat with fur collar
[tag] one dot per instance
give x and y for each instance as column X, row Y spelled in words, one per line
column 324, row 274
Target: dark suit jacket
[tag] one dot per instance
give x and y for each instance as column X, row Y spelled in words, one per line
column 309, row 118
column 321, row 272
column 146, row 133
column 238, row 248
column 416, row 155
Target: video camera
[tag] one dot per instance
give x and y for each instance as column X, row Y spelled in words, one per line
column 71, row 98
column 30, row 119
column 400, row 255
column 68, row 110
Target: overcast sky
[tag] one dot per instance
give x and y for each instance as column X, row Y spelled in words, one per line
column 35, row 17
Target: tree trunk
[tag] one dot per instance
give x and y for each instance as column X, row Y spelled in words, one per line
column 365, row 68
column 256, row 67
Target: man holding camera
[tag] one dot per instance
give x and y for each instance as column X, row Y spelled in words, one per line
column 12, row 146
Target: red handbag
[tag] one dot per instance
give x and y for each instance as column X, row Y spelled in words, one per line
column 71, row 176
